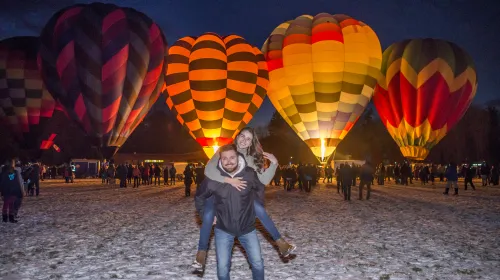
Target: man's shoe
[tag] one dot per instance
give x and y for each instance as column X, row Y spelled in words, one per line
column 285, row 248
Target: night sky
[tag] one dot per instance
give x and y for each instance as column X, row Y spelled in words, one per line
column 473, row 25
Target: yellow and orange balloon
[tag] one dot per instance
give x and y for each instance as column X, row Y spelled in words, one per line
column 215, row 85
column 322, row 71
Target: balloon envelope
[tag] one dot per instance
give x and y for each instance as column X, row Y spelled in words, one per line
column 425, row 88
column 215, row 85
column 322, row 73
column 26, row 107
column 104, row 63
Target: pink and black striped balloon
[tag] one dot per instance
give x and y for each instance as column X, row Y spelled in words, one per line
column 104, row 63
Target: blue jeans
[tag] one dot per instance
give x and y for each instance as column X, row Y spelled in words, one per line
column 224, row 247
column 208, row 219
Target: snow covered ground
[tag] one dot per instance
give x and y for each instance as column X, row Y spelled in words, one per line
column 91, row 231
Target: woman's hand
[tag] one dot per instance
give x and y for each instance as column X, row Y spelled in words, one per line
column 236, row 182
column 215, row 220
column 270, row 157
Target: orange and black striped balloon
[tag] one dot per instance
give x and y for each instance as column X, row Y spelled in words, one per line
column 215, row 85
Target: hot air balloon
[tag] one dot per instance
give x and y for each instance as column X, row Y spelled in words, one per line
column 322, row 73
column 105, row 64
column 26, row 107
column 425, row 88
column 215, row 85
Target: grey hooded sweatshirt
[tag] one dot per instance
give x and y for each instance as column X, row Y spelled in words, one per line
column 212, row 171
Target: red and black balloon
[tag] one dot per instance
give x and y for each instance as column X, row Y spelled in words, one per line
column 27, row 109
column 104, row 64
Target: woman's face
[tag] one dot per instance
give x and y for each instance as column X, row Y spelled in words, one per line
column 244, row 140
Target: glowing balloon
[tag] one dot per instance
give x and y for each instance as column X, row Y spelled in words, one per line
column 26, row 107
column 215, row 85
column 104, row 63
column 426, row 87
column 322, row 73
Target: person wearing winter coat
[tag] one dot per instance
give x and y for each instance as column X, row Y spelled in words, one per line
column 165, row 175
column 347, row 175
column 366, row 177
column 485, row 173
column 121, row 173
column 451, row 176
column 35, row 178
column 172, row 172
column 130, row 174
column 145, row 175
column 188, row 179
column 136, row 172
column 494, row 175
column 469, row 175
column 157, row 173
column 199, row 172
column 11, row 189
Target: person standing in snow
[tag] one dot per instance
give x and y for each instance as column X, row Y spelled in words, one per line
column 172, row 172
column 121, row 173
column 188, row 179
column 11, row 189
column 165, row 175
column 235, row 213
column 347, row 175
column 451, row 175
column 485, row 173
column 35, row 178
column 136, row 172
column 494, row 175
column 249, row 147
column 199, row 172
column 157, row 172
column 469, row 174
column 366, row 177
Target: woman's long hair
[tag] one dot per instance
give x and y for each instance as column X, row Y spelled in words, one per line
column 255, row 150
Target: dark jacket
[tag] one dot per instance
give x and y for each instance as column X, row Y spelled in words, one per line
column 366, row 174
column 35, row 172
column 234, row 209
column 346, row 175
column 451, row 173
column 10, row 184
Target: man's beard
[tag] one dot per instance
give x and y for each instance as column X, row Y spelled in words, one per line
column 230, row 169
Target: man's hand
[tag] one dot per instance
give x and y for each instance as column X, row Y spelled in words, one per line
column 215, row 220
column 270, row 157
column 236, row 182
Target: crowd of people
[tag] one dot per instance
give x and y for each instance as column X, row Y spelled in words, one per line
column 155, row 174
column 230, row 190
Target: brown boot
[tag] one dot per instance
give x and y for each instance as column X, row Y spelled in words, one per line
column 285, row 247
column 201, row 257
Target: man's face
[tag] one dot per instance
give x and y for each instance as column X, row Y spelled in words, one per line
column 229, row 160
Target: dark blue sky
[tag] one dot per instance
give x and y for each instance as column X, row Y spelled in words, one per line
column 473, row 25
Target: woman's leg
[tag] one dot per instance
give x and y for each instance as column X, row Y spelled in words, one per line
column 206, row 229
column 206, row 226
column 266, row 221
column 284, row 247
